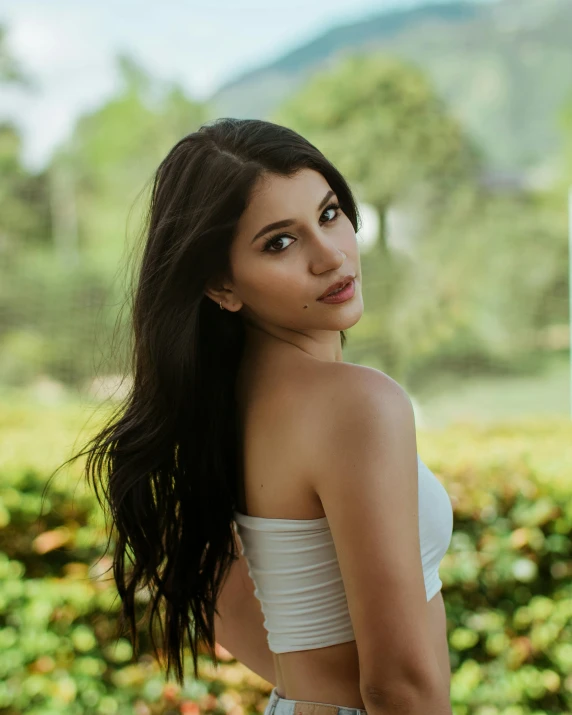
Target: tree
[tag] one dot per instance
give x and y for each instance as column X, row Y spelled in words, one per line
column 486, row 268
column 114, row 151
column 24, row 216
column 380, row 122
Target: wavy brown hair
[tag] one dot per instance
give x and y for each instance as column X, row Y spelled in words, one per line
column 165, row 465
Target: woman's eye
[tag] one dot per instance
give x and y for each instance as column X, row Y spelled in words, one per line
column 272, row 241
column 335, row 207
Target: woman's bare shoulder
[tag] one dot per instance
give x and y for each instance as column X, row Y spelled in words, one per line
column 350, row 383
column 328, row 396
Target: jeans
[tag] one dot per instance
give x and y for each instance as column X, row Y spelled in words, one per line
column 278, row 705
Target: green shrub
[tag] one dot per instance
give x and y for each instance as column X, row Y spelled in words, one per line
column 506, row 578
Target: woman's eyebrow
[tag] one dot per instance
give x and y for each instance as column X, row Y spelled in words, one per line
column 289, row 221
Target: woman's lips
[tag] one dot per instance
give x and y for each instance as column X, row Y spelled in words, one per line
column 341, row 296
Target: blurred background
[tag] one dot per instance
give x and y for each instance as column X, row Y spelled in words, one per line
column 452, row 122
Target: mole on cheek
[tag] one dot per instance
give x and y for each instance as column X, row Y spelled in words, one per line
column 305, row 306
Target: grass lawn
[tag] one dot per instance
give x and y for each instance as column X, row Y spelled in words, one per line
column 449, row 399
column 490, row 399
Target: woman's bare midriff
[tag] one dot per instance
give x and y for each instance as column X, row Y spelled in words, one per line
column 267, row 406
column 331, row 675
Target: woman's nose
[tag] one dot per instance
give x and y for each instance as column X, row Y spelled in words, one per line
column 326, row 256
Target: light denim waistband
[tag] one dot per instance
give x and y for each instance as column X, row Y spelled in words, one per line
column 278, row 705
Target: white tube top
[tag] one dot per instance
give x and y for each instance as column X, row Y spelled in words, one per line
column 297, row 579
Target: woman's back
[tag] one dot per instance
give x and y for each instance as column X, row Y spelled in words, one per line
column 283, row 397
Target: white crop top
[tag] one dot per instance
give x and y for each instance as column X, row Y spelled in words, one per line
column 296, row 575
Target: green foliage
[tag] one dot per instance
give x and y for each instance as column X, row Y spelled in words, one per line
column 57, row 319
column 497, row 65
column 24, row 213
column 507, row 574
column 59, row 647
column 381, row 123
column 507, row 580
column 565, row 125
column 58, row 297
column 486, row 275
column 485, row 271
column 24, row 218
column 114, row 151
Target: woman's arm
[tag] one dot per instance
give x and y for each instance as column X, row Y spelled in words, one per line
column 240, row 627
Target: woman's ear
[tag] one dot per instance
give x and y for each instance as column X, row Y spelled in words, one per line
column 225, row 296
column 214, row 294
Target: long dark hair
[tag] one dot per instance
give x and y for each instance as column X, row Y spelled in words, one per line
column 167, row 461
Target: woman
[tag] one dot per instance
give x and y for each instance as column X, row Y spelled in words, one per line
column 270, row 494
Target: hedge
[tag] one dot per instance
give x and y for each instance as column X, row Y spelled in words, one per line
column 507, row 579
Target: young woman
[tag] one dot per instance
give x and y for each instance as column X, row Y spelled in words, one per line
column 268, row 494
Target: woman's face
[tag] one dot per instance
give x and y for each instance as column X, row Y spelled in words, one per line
column 278, row 274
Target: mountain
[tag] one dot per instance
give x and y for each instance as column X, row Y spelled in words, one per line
column 504, row 69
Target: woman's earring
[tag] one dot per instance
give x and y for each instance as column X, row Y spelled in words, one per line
column 221, row 305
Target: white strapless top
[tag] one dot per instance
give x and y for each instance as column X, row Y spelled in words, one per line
column 297, row 579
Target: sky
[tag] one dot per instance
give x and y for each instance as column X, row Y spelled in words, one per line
column 68, row 47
